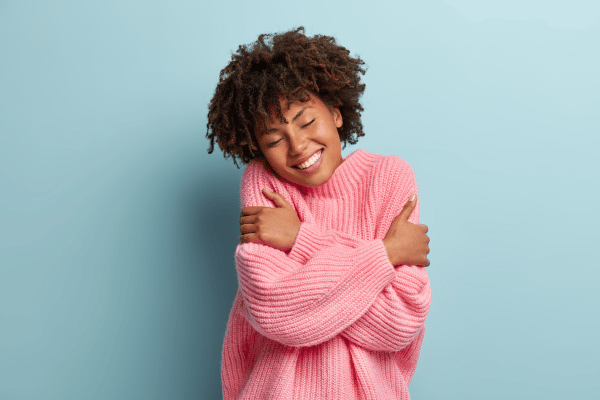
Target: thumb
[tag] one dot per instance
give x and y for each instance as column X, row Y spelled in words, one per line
column 408, row 207
column 276, row 198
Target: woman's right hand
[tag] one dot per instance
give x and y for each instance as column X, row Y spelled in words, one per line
column 405, row 242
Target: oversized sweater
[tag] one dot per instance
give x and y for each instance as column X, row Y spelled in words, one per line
column 332, row 318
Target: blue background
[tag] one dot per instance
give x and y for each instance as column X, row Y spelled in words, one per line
column 117, row 229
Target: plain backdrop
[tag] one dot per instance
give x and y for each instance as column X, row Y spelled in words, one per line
column 118, row 230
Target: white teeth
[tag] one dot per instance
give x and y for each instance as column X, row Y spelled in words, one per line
column 310, row 161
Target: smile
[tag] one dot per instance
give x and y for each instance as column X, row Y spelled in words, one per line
column 313, row 159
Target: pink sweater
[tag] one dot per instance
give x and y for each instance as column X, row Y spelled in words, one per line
column 333, row 318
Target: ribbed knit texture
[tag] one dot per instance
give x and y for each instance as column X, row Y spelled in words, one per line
column 332, row 318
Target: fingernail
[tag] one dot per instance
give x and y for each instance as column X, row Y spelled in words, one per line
column 412, row 198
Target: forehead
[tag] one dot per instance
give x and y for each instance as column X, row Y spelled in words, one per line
column 289, row 110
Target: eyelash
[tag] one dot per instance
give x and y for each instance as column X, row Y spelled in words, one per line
column 304, row 126
column 277, row 141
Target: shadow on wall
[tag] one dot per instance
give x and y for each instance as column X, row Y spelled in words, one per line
column 211, row 217
column 182, row 219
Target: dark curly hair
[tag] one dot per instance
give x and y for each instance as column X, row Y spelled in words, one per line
column 289, row 65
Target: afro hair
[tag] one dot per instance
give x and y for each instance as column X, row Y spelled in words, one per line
column 291, row 66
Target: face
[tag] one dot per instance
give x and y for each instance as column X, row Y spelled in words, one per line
column 307, row 149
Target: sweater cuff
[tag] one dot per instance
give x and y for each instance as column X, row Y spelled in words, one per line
column 414, row 280
column 310, row 239
column 373, row 264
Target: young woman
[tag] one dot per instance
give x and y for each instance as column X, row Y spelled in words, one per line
column 333, row 293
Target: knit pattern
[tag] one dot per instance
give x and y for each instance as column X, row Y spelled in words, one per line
column 332, row 318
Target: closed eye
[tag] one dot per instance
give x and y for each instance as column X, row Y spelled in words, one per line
column 305, row 125
column 274, row 143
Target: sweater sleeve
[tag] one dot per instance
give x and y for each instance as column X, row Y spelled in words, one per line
column 309, row 302
column 398, row 314
column 388, row 320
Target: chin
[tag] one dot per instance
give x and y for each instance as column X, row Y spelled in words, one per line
column 313, row 181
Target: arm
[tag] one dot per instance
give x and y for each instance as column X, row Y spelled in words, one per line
column 305, row 303
column 398, row 314
column 374, row 329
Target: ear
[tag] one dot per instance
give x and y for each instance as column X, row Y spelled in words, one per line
column 337, row 117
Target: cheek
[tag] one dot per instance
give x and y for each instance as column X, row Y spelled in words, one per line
column 324, row 132
column 276, row 157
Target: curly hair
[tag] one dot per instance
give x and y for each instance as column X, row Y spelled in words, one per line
column 289, row 65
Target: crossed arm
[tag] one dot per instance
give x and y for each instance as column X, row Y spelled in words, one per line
column 330, row 283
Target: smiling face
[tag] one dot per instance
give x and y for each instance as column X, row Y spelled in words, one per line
column 307, row 149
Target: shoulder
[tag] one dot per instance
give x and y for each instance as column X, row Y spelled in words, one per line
column 392, row 164
column 256, row 176
column 257, row 169
column 389, row 170
column 372, row 162
column 391, row 180
column 392, row 183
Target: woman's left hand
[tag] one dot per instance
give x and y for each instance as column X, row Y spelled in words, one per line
column 276, row 227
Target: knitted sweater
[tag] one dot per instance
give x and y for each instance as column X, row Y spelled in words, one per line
column 332, row 318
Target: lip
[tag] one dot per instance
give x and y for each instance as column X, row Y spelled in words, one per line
column 312, row 168
column 304, row 159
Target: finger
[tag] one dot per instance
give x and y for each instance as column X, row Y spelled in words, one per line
column 251, row 210
column 248, row 219
column 408, row 207
column 276, row 198
column 250, row 238
column 248, row 228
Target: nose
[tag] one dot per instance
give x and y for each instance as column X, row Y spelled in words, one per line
column 298, row 143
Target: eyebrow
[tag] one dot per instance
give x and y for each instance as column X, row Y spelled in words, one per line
column 269, row 131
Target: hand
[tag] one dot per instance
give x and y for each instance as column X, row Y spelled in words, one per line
column 276, row 227
column 405, row 242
